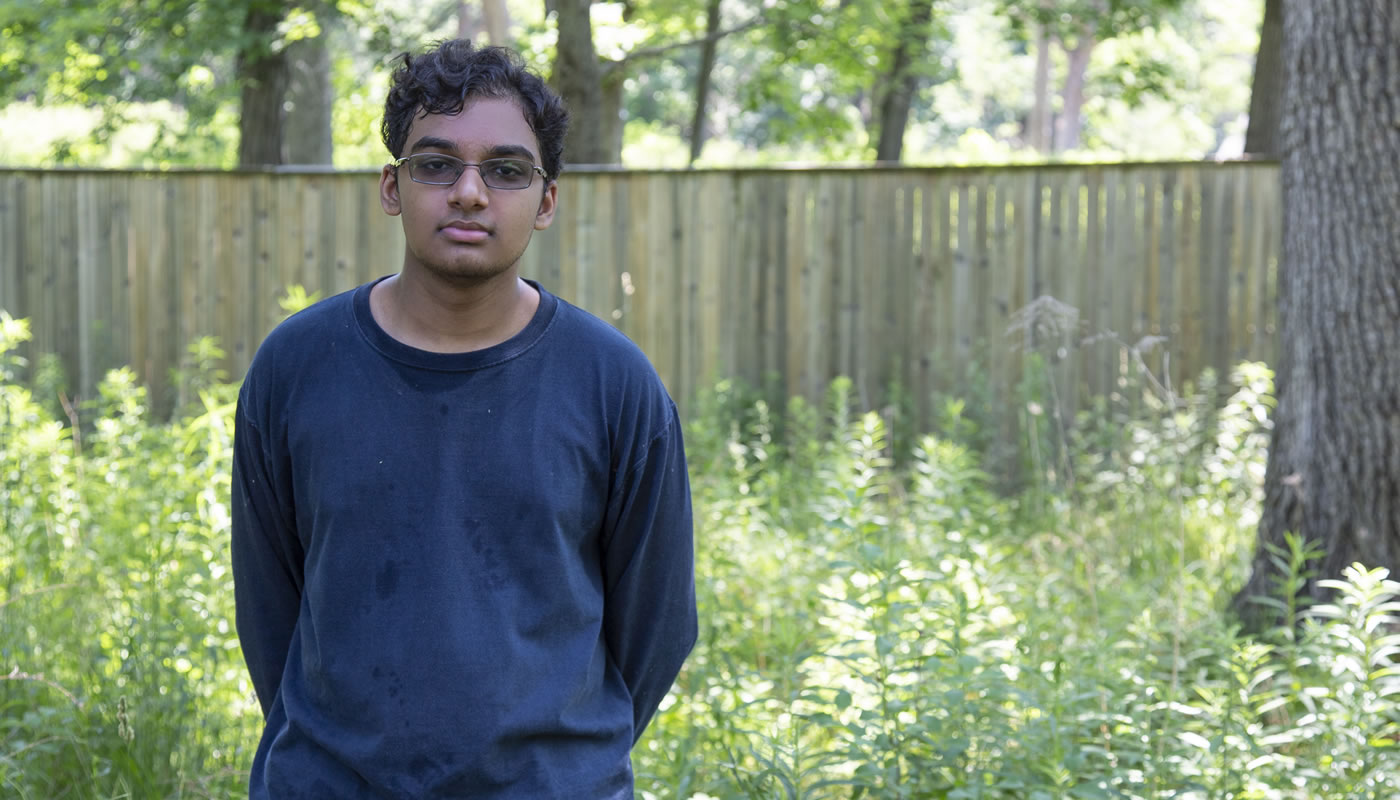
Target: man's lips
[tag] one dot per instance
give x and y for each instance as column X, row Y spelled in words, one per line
column 467, row 232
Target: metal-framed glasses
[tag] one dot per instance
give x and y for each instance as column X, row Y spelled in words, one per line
column 437, row 169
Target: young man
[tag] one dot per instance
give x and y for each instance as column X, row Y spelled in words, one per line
column 462, row 544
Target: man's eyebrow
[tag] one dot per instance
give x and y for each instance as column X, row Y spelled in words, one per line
column 433, row 143
column 496, row 151
column 511, row 150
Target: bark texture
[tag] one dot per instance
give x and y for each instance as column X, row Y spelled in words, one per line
column 902, row 82
column 263, row 75
column 1068, row 125
column 1266, row 96
column 1334, row 462
column 610, row 122
column 578, row 78
column 1038, row 125
column 708, row 51
column 310, row 98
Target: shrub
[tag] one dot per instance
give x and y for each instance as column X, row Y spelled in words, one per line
column 124, row 677
column 877, row 620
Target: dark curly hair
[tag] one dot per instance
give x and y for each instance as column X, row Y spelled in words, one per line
column 444, row 77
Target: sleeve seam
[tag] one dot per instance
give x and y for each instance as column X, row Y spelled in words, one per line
column 244, row 402
column 665, row 431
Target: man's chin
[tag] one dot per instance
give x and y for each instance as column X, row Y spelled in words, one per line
column 470, row 275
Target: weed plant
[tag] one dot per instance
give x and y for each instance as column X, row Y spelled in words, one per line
column 878, row 619
column 122, row 676
column 907, row 632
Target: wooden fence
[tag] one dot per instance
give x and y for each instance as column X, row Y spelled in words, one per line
column 929, row 276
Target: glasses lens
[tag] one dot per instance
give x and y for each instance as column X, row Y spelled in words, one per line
column 507, row 173
column 432, row 168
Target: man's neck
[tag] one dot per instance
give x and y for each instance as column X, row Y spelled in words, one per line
column 445, row 318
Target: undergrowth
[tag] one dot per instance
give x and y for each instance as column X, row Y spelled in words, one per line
column 878, row 619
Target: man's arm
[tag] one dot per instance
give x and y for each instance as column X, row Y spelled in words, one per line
column 650, row 619
column 267, row 560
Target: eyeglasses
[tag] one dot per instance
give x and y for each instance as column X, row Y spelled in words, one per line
column 437, row 169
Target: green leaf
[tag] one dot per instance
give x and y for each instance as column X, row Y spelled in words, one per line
column 843, row 700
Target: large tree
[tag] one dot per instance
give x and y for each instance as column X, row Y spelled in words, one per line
column 264, row 76
column 578, row 77
column 592, row 85
column 1333, row 476
column 897, row 87
column 310, row 100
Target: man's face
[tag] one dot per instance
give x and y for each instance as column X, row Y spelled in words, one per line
column 468, row 232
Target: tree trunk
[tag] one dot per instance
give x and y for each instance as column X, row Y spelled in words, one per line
column 310, row 99
column 1266, row 97
column 610, row 119
column 497, row 19
column 578, row 77
column 902, row 82
column 1069, row 124
column 1038, row 126
column 1334, row 462
column 262, row 73
column 702, row 79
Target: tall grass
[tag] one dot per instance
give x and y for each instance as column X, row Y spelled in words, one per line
column 880, row 618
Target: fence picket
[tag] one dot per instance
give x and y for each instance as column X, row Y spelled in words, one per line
column 802, row 274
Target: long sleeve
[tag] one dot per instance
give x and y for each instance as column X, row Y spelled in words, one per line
column 267, row 559
column 650, row 618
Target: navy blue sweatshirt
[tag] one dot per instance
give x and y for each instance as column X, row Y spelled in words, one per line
column 457, row 575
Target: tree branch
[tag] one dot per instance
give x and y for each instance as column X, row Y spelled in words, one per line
column 656, row 52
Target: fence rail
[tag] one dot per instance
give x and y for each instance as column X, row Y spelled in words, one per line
column 915, row 275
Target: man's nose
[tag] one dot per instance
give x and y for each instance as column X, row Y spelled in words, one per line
column 470, row 190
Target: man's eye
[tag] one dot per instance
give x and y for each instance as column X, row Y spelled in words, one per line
column 436, row 165
column 507, row 169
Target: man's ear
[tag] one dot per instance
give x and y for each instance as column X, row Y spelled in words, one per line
column 548, row 203
column 389, row 191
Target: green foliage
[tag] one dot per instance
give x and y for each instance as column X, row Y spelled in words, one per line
column 817, row 69
column 1068, row 18
column 124, row 675
column 873, row 630
column 296, row 298
column 871, row 627
column 13, row 332
column 120, row 84
column 158, row 84
column 111, row 54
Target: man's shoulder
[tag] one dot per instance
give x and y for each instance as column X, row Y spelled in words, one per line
column 302, row 339
column 592, row 344
column 318, row 320
column 594, row 353
column 589, row 333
